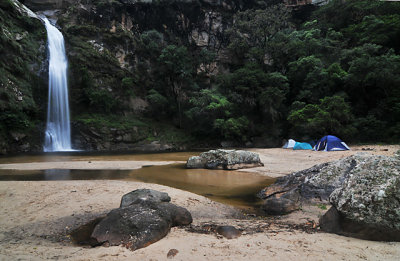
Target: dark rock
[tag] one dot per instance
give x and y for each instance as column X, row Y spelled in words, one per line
column 140, row 195
column 172, row 253
column 225, row 159
column 139, row 225
column 330, row 221
column 229, row 232
column 281, row 204
column 333, row 222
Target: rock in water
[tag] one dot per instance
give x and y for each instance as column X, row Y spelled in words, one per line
column 224, row 159
column 370, row 197
column 140, row 195
column 139, row 225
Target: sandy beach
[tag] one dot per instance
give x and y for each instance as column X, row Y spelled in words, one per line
column 37, row 217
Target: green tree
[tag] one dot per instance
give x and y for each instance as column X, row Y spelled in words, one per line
column 252, row 29
column 208, row 106
column 233, row 128
column 331, row 116
column 176, row 71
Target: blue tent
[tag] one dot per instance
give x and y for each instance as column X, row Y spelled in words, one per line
column 302, row 146
column 330, row 143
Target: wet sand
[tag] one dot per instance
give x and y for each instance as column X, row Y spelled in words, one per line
column 36, row 217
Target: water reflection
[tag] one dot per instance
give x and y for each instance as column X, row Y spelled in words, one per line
column 96, row 156
column 57, row 174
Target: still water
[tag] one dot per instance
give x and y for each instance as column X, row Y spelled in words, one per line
column 99, row 156
column 235, row 188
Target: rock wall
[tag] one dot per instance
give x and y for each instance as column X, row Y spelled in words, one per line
column 23, row 78
column 38, row 5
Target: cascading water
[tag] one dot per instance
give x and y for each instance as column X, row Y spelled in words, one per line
column 58, row 131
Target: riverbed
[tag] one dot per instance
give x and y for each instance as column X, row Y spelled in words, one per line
column 36, row 216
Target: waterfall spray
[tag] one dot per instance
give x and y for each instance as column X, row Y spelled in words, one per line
column 58, row 131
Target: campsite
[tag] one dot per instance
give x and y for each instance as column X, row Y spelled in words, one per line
column 199, row 130
column 326, row 143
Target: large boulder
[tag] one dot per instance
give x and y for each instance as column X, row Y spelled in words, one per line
column 224, row 159
column 369, row 199
column 139, row 225
column 317, row 182
column 144, row 217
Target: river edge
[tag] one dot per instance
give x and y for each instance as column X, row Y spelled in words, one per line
column 37, row 215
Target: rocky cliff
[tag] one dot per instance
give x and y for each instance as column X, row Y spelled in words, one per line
column 121, row 96
column 23, row 78
column 112, row 63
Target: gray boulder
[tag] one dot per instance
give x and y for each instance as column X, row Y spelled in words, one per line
column 224, row 159
column 140, row 224
column 370, row 196
column 140, row 195
column 317, row 182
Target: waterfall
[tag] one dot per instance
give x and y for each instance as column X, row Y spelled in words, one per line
column 58, row 131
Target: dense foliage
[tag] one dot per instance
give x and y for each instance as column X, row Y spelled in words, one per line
column 334, row 73
column 22, row 52
column 255, row 70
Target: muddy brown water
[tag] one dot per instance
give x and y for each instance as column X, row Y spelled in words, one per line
column 97, row 156
column 234, row 188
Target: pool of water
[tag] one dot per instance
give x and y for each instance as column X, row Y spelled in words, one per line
column 235, row 188
column 99, row 156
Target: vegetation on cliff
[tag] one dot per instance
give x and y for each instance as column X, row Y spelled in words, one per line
column 234, row 72
column 22, row 89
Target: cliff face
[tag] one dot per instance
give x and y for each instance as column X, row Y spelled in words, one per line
column 23, row 78
column 112, row 67
column 38, row 5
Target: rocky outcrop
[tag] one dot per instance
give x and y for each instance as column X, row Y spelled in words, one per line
column 48, row 4
column 23, row 78
column 363, row 189
column 317, row 182
column 136, row 138
column 139, row 223
column 369, row 198
column 224, row 159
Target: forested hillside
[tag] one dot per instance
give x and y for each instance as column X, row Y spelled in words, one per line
column 195, row 73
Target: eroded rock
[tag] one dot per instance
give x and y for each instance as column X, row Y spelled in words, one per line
column 225, row 159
